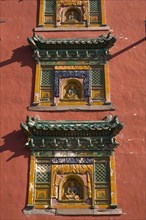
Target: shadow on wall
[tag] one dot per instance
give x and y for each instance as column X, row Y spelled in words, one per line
column 127, row 48
column 14, row 142
column 22, row 55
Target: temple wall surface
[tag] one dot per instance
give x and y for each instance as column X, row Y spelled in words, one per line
column 127, row 84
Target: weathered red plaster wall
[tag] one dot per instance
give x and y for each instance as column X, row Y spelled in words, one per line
column 127, row 80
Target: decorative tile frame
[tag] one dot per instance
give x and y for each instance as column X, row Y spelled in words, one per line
column 73, row 74
column 51, row 166
column 92, row 12
column 71, row 59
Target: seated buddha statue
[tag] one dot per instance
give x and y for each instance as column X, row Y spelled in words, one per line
column 72, row 192
column 71, row 93
column 72, row 17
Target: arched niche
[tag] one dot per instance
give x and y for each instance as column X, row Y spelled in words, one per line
column 72, row 15
column 72, row 89
column 71, row 188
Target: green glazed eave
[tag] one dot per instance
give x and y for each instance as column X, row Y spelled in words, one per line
column 47, row 49
column 101, row 42
column 90, row 135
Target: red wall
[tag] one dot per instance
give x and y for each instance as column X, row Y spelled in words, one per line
column 127, row 80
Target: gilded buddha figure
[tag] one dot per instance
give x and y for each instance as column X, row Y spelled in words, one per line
column 72, row 17
column 71, row 92
column 71, row 192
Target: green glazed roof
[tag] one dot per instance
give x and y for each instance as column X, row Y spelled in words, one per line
column 72, row 135
column 108, row 124
column 101, row 42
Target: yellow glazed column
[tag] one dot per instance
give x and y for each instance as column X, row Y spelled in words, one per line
column 107, row 84
column 113, row 182
column 37, row 84
column 41, row 13
column 93, row 186
column 31, row 181
column 103, row 20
